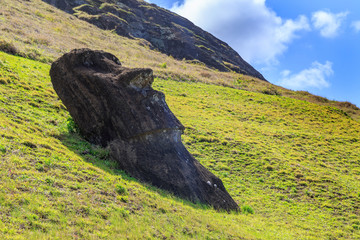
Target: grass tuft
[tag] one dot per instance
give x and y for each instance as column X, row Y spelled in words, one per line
column 247, row 209
column 8, row 47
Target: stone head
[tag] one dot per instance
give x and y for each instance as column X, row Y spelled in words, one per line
column 108, row 99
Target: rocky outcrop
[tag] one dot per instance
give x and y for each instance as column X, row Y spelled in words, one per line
column 116, row 107
column 164, row 30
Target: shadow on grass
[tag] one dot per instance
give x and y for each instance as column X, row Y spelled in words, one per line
column 99, row 157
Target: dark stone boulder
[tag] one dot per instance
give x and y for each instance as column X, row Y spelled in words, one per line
column 116, row 107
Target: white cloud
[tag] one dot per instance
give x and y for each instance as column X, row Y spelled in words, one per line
column 356, row 26
column 313, row 77
column 249, row 26
column 285, row 73
column 328, row 23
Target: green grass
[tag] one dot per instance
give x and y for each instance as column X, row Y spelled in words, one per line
column 287, row 159
column 292, row 166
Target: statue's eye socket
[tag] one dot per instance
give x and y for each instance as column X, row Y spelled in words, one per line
column 87, row 62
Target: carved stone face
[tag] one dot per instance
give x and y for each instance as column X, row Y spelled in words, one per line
column 121, row 100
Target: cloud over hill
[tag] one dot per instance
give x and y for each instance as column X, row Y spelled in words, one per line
column 249, row 26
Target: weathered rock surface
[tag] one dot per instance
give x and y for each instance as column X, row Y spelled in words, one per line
column 116, row 106
column 164, row 30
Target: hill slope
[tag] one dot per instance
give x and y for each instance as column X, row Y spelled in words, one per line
column 164, row 31
column 296, row 164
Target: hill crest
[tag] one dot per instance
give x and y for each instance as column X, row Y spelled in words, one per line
column 162, row 29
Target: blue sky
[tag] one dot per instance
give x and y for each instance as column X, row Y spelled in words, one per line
column 310, row 45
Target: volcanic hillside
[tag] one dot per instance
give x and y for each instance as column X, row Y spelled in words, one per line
column 289, row 159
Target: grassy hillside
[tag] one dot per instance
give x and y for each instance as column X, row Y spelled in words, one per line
column 293, row 164
column 289, row 159
column 36, row 30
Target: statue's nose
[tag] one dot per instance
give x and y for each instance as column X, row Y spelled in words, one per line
column 142, row 80
column 137, row 78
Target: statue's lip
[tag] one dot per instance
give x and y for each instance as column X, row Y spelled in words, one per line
column 157, row 132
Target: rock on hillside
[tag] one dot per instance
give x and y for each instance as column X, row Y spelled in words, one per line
column 164, row 30
column 116, row 107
